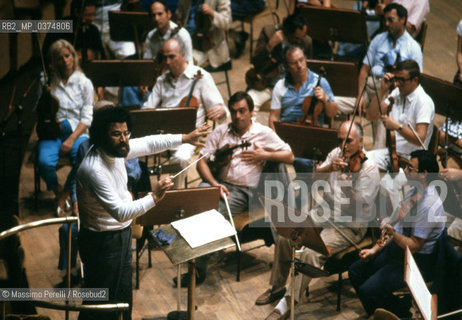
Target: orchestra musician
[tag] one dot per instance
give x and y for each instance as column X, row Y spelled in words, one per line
column 165, row 29
column 413, row 110
column 421, row 222
column 268, row 59
column 216, row 18
column 241, row 174
column 417, row 10
column 75, row 94
column 290, row 93
column 385, row 50
column 174, row 85
column 299, row 83
column 361, row 194
column 107, row 207
column 86, row 38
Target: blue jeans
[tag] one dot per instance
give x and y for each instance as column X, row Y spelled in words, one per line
column 48, row 156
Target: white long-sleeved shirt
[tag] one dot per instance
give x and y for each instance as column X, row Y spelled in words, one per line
column 105, row 204
column 75, row 100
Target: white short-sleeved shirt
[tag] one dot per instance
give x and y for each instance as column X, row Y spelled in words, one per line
column 239, row 172
column 415, row 108
column 75, row 100
column 168, row 93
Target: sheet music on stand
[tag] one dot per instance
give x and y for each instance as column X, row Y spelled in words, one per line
column 204, row 228
column 414, row 280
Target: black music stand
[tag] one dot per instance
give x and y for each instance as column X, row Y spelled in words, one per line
column 178, row 204
column 331, row 24
column 119, row 73
column 447, row 98
column 342, row 75
column 130, row 26
column 307, row 234
column 162, row 120
column 321, row 140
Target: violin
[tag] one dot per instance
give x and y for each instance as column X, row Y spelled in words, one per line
column 311, row 105
column 190, row 101
column 202, row 38
column 223, row 156
column 355, row 162
column 400, row 212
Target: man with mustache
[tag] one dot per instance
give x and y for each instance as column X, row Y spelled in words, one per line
column 106, row 206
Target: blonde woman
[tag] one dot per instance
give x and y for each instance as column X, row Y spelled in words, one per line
column 75, row 94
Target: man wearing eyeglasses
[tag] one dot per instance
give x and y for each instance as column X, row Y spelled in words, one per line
column 106, row 206
column 385, row 51
column 411, row 117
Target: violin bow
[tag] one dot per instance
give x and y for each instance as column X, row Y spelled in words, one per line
column 416, row 135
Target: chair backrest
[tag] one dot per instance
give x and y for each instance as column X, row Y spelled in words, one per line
column 433, row 145
column 420, row 37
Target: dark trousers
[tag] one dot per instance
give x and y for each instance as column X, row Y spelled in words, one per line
column 107, row 264
column 375, row 281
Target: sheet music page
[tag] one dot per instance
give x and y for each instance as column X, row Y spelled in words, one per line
column 417, row 285
column 204, row 228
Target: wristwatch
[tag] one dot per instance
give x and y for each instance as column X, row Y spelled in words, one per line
column 400, row 128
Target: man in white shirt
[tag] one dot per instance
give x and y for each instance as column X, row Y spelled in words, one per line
column 106, row 206
column 176, row 84
column 164, row 30
column 411, row 116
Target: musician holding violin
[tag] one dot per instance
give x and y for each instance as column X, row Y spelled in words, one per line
column 417, row 224
column 207, row 21
column 250, row 146
column 184, row 81
column 413, row 111
column 353, row 182
column 164, row 29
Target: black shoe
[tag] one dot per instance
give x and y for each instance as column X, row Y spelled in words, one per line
column 200, row 278
column 224, row 67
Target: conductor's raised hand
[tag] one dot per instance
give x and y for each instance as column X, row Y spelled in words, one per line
column 162, row 186
column 194, row 136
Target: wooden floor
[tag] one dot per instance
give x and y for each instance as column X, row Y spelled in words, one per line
column 221, row 297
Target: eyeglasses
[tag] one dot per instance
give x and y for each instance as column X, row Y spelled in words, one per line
column 118, row 134
column 400, row 79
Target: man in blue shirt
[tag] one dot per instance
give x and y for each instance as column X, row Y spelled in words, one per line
column 385, row 51
column 290, row 92
column 299, row 83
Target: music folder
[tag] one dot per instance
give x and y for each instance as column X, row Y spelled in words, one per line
column 426, row 302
